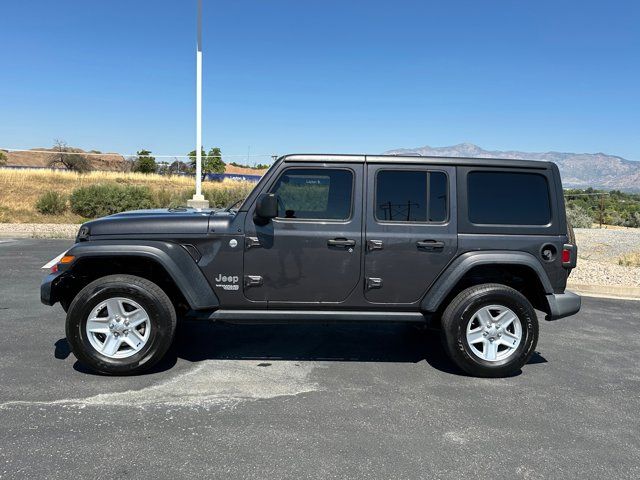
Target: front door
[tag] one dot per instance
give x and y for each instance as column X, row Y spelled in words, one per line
column 410, row 230
column 311, row 252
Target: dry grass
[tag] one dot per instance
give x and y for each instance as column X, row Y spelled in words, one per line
column 20, row 189
column 630, row 260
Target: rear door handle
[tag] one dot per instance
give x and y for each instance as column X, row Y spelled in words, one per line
column 430, row 245
column 341, row 242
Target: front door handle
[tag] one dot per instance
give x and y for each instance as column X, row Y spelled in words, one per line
column 341, row 242
column 430, row 245
column 252, row 242
column 374, row 245
column 253, row 281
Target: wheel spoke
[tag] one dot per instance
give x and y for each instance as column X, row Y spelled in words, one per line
column 111, row 345
column 137, row 317
column 509, row 339
column 133, row 340
column 506, row 318
column 484, row 316
column 114, row 307
column 490, row 350
column 98, row 325
column 475, row 336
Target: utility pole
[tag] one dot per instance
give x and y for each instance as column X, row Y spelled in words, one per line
column 198, row 200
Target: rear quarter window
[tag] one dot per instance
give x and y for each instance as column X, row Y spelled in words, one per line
column 508, row 198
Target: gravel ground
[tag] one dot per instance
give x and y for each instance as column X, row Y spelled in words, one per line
column 598, row 250
column 598, row 254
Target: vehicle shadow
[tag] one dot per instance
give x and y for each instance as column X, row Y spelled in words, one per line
column 353, row 342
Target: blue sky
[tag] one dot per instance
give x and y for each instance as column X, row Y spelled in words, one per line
column 322, row 76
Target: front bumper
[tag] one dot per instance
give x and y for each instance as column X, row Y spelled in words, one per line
column 563, row 305
column 47, row 288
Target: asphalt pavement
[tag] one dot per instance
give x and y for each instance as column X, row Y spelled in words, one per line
column 313, row 401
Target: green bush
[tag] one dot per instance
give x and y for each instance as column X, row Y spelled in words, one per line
column 226, row 194
column 106, row 199
column 578, row 217
column 165, row 198
column 52, row 203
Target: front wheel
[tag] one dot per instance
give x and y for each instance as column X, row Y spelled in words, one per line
column 120, row 324
column 490, row 330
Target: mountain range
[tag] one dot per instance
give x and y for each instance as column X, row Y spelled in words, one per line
column 578, row 170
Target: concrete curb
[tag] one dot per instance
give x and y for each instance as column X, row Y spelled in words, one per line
column 39, row 230
column 621, row 292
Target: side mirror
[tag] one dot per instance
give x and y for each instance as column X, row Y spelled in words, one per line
column 266, row 207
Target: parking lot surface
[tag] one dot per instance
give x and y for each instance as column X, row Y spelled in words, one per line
column 313, row 401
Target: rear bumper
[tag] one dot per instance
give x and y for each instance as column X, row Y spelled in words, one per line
column 563, row 305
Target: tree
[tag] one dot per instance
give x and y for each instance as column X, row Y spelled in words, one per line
column 3, row 158
column 578, row 217
column 211, row 162
column 70, row 158
column 178, row 167
column 128, row 164
column 145, row 163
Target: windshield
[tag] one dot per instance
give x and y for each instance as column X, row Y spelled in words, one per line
column 264, row 178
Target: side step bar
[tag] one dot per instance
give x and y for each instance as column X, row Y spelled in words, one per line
column 287, row 316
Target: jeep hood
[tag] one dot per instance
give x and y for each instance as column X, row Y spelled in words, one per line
column 149, row 222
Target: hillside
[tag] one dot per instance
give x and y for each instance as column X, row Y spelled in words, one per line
column 579, row 170
column 38, row 157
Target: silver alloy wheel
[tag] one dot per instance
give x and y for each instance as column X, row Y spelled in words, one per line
column 118, row 327
column 494, row 332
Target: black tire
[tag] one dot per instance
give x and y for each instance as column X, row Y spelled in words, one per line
column 459, row 313
column 147, row 294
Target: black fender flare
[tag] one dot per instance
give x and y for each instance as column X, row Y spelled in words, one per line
column 465, row 262
column 180, row 266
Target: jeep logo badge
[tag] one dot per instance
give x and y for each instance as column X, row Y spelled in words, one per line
column 227, row 282
column 233, row 243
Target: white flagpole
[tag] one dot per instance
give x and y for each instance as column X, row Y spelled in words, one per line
column 198, row 200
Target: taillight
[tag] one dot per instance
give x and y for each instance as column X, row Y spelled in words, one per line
column 569, row 256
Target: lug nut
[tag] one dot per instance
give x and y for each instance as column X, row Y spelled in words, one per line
column 126, row 322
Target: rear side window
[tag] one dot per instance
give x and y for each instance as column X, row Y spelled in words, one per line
column 309, row 193
column 411, row 196
column 506, row 198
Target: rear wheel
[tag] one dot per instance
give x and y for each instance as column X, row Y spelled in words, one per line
column 490, row 330
column 120, row 324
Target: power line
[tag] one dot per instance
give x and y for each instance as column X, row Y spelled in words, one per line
column 125, row 155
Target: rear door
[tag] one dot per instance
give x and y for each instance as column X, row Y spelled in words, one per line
column 310, row 253
column 410, row 229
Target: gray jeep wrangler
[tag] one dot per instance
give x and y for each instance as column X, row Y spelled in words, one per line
column 471, row 245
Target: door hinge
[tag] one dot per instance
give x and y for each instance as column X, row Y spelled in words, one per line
column 252, row 281
column 374, row 245
column 373, row 283
column 251, row 242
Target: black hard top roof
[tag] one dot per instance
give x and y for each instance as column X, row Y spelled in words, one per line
column 417, row 160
